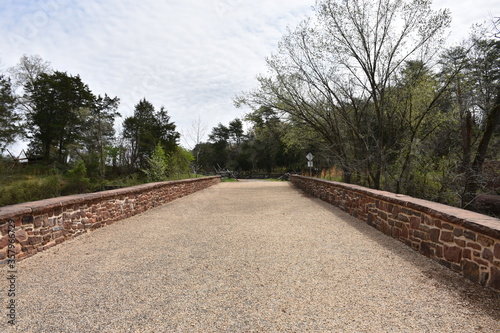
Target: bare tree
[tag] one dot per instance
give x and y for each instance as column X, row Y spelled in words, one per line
column 336, row 72
column 28, row 70
column 196, row 133
column 25, row 73
column 194, row 138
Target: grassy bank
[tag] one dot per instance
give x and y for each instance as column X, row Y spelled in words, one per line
column 31, row 183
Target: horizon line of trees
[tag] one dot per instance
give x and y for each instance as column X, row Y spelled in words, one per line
column 64, row 122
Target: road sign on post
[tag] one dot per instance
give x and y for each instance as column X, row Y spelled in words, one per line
column 310, row 162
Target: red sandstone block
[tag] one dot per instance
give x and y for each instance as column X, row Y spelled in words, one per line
column 467, row 254
column 474, row 246
column 495, row 278
column 428, row 220
column 485, row 241
column 434, row 235
column 447, row 236
column 447, row 226
column 38, row 222
column 487, row 255
column 470, row 235
column 21, row 235
column 460, row 242
column 403, row 218
column 405, row 232
column 414, row 222
column 390, row 207
column 4, row 241
column 395, row 211
column 458, row 232
column 496, row 250
column 453, row 254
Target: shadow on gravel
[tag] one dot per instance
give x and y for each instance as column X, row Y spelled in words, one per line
column 470, row 294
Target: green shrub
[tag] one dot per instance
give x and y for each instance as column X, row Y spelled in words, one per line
column 158, row 164
column 179, row 163
column 76, row 180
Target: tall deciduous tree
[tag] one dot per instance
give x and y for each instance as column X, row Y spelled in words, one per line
column 57, row 118
column 334, row 73
column 9, row 119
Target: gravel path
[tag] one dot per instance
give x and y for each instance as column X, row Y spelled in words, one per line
column 243, row 257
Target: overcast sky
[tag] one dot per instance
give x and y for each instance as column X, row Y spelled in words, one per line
column 191, row 56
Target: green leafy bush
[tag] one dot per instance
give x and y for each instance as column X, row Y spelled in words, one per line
column 76, row 180
column 179, row 163
column 158, row 164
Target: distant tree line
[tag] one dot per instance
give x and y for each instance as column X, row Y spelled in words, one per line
column 262, row 149
column 64, row 123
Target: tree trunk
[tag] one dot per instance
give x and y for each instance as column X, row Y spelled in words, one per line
column 473, row 174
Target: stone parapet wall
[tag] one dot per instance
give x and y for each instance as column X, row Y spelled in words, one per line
column 29, row 228
column 464, row 241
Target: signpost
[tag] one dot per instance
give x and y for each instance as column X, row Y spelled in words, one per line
column 310, row 162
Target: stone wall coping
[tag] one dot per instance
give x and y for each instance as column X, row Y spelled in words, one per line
column 34, row 207
column 487, row 225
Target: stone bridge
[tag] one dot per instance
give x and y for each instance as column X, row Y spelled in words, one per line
column 246, row 257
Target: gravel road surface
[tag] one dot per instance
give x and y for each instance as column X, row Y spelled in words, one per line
column 243, row 257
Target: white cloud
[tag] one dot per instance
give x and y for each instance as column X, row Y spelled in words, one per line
column 191, row 56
